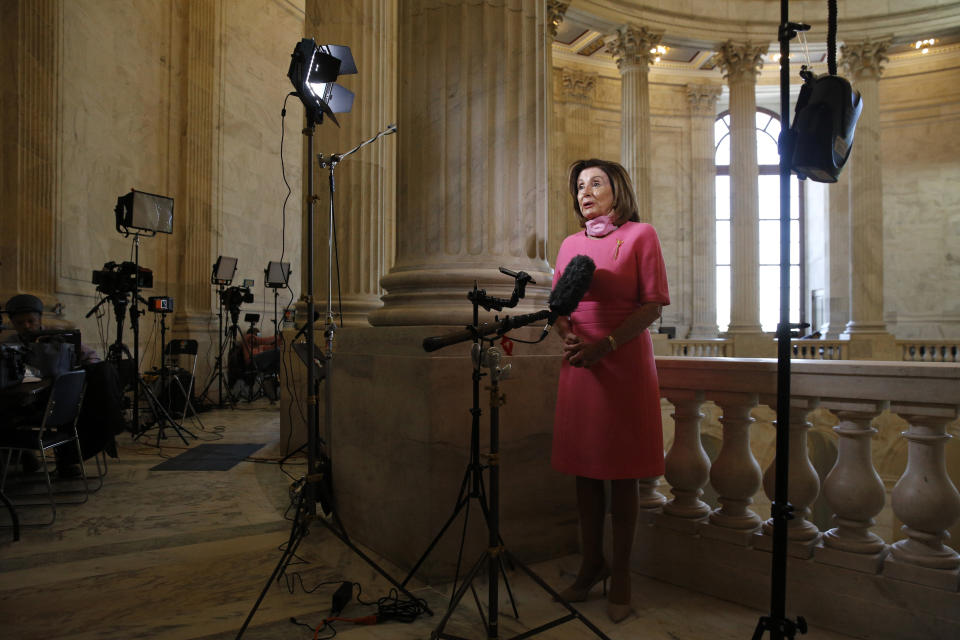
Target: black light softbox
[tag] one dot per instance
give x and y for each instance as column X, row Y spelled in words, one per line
column 826, row 116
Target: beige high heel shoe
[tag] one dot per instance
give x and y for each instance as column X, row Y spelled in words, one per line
column 618, row 612
column 576, row 594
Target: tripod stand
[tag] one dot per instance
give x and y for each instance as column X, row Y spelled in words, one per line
column 161, row 410
column 228, row 340
column 497, row 551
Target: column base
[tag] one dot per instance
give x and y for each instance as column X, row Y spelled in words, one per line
column 866, row 345
column 438, row 295
column 400, row 446
column 753, row 345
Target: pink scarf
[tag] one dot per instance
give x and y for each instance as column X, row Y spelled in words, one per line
column 599, row 226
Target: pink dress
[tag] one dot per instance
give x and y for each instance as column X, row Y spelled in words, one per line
column 607, row 424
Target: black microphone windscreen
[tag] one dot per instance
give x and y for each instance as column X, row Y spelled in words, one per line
column 572, row 285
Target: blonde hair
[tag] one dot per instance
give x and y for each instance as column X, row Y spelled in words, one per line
column 624, row 199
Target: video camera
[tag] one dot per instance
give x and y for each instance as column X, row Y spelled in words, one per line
column 122, row 278
column 233, row 297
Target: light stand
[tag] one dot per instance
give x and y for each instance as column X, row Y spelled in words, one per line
column 312, row 68
column 222, row 275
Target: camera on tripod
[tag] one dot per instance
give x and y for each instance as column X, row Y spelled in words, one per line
column 160, row 304
column 233, row 297
column 122, row 278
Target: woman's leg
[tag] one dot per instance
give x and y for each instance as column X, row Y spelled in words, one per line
column 591, row 507
column 623, row 511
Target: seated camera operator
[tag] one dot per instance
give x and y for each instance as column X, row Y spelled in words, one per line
column 101, row 416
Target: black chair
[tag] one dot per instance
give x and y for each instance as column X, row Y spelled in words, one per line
column 178, row 355
column 57, row 428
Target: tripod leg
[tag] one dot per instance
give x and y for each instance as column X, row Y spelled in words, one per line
column 297, row 533
column 458, row 595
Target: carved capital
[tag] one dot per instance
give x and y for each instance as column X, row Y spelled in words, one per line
column 703, row 98
column 864, row 59
column 630, row 46
column 578, row 85
column 556, row 10
column 739, row 60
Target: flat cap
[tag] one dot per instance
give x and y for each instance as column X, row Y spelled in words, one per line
column 23, row 303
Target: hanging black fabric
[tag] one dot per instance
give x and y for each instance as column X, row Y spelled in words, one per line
column 826, row 117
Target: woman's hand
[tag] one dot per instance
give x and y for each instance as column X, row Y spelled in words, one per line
column 583, row 354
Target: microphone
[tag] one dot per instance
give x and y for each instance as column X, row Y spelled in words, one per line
column 570, row 289
column 564, row 298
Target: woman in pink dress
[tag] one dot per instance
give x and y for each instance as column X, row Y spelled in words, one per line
column 607, row 425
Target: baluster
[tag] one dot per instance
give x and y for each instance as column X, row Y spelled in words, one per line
column 928, row 504
column 804, row 486
column 735, row 474
column 687, row 464
column 855, row 493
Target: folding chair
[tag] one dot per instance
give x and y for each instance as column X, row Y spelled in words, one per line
column 58, row 427
column 174, row 354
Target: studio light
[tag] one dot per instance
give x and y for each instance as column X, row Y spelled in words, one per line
column 313, row 71
column 144, row 213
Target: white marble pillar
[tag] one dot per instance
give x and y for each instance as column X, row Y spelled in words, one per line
column 703, row 104
column 472, row 158
column 365, row 198
column 864, row 64
column 630, row 46
column 556, row 169
column 837, row 302
column 577, row 91
column 30, row 148
column 741, row 64
column 194, row 198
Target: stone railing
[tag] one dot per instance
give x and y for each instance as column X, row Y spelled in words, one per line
column 709, row 348
column 929, row 350
column 820, row 349
column 875, row 587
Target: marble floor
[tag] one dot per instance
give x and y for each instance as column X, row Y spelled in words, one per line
column 184, row 554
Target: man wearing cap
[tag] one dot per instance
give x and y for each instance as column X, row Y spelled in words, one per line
column 101, row 416
column 26, row 314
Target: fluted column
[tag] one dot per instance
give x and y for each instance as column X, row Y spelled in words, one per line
column 472, row 155
column 557, row 212
column 365, row 198
column 687, row 464
column 703, row 105
column 30, row 121
column 630, row 46
column 741, row 64
column 864, row 63
column 194, row 201
column 803, row 489
column 735, row 474
column 837, row 302
column 928, row 504
column 856, row 495
column 572, row 142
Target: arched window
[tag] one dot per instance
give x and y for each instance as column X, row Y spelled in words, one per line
column 768, row 184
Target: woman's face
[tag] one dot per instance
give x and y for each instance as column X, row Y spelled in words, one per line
column 594, row 193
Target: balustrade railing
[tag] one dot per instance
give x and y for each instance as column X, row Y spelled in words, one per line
column 855, row 394
column 707, row 348
column 929, row 350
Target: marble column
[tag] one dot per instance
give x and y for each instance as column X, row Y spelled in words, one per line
column 741, row 64
column 577, row 91
column 365, row 197
column 703, row 103
column 864, row 64
column 194, row 197
column 631, row 46
column 472, row 155
column 837, row 311
column 30, row 147
column 557, row 199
